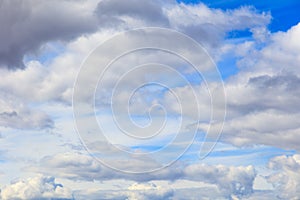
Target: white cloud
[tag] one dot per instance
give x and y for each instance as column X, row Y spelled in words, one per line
column 254, row 128
column 40, row 187
column 209, row 25
column 286, row 178
column 263, row 98
column 50, row 83
column 230, row 180
column 16, row 114
column 39, row 84
column 281, row 54
column 148, row 191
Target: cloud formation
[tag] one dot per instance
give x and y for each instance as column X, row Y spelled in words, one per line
column 286, row 178
column 111, row 12
column 27, row 25
column 14, row 114
column 230, row 180
column 263, row 98
column 40, row 187
column 149, row 191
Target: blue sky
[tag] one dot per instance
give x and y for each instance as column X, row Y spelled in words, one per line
column 284, row 13
column 116, row 99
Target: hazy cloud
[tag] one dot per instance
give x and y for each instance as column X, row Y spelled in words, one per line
column 15, row 114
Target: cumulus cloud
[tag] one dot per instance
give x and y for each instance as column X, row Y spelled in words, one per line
column 40, row 22
column 40, row 187
column 26, row 25
column 254, row 128
column 43, row 83
column 204, row 24
column 286, row 179
column 208, row 25
column 281, row 54
column 230, row 180
column 237, row 181
column 69, row 165
column 263, row 98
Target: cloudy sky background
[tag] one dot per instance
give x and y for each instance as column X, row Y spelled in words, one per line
column 256, row 47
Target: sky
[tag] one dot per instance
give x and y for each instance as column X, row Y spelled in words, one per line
column 149, row 99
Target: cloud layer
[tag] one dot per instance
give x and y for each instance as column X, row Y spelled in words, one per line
column 262, row 98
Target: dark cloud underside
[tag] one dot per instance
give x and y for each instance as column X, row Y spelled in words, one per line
column 26, row 25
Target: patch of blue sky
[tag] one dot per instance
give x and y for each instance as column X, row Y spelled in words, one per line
column 247, row 34
column 166, row 141
column 102, row 111
column 46, row 53
column 147, row 148
column 263, row 150
column 141, row 120
column 227, row 64
column 181, row 80
column 227, row 67
column 194, row 78
column 2, row 157
column 224, row 153
column 285, row 13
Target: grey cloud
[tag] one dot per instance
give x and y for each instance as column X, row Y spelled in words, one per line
column 207, row 33
column 230, row 180
column 281, row 92
column 263, row 92
column 26, row 25
column 15, row 114
column 110, row 12
column 263, row 99
column 27, row 120
column 9, row 114
column 288, row 82
column 236, row 181
column 70, row 165
column 269, row 127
